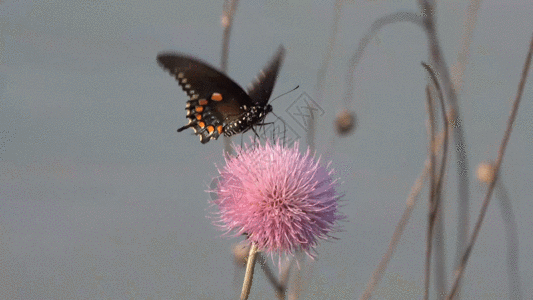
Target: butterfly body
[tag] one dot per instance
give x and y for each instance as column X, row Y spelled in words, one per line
column 217, row 105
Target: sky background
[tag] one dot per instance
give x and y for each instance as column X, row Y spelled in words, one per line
column 101, row 198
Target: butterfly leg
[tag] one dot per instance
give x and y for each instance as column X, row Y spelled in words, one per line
column 185, row 127
column 256, row 136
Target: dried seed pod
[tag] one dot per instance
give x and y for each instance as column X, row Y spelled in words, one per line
column 345, row 122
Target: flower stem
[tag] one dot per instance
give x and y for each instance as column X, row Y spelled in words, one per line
column 248, row 276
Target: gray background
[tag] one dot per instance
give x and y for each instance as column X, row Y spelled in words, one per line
column 101, row 198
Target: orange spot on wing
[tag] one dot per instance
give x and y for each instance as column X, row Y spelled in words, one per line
column 202, row 102
column 198, row 117
column 219, row 129
column 201, row 124
column 199, row 109
column 210, row 128
column 216, row 97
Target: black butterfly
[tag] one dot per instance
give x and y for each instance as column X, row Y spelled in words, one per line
column 217, row 105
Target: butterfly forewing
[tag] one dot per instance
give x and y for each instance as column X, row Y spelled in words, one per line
column 262, row 87
column 217, row 105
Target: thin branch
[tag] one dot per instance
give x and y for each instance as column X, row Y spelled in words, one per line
column 501, row 151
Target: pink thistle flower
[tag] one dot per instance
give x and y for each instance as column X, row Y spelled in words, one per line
column 282, row 200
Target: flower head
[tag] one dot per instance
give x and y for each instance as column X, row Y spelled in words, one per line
column 282, row 200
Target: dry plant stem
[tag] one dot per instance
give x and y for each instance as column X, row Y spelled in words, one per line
column 438, row 189
column 284, row 279
column 302, row 277
column 440, row 255
column 248, row 276
column 457, row 78
column 311, row 126
column 411, row 201
column 382, row 266
column 466, row 41
column 374, row 29
column 506, row 210
column 230, row 6
column 435, row 190
column 501, row 151
column 431, row 202
column 428, row 10
column 428, row 25
column 512, row 240
column 322, row 71
column 280, row 287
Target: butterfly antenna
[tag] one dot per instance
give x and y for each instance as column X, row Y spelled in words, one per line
column 285, row 93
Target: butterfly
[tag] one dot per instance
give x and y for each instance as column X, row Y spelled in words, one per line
column 217, row 105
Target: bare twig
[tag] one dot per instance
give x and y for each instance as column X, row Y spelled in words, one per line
column 501, row 151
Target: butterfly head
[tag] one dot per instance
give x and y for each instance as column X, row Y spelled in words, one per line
column 268, row 109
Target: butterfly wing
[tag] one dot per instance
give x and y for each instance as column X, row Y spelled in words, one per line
column 214, row 99
column 261, row 89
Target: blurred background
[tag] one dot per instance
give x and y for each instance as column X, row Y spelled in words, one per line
column 101, row 198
